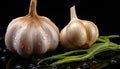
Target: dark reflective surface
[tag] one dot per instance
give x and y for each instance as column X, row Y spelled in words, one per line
column 105, row 14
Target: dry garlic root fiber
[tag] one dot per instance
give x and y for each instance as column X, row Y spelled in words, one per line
column 78, row 33
column 31, row 34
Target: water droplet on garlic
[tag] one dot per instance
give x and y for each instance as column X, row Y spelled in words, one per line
column 44, row 37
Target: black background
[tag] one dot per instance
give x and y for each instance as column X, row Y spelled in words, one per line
column 104, row 13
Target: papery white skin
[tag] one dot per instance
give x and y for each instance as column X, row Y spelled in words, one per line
column 92, row 31
column 31, row 35
column 78, row 33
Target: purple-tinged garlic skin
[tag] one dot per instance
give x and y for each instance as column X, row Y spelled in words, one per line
column 78, row 33
column 31, row 34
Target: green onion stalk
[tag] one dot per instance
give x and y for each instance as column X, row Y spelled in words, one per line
column 102, row 44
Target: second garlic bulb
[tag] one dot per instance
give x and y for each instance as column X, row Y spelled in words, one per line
column 78, row 33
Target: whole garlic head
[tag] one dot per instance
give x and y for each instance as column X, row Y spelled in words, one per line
column 78, row 33
column 31, row 34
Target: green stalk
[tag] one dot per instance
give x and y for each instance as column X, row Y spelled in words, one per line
column 90, row 54
column 60, row 56
column 102, row 38
column 103, row 45
column 110, row 36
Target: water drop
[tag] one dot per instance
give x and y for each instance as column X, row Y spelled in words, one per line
column 78, row 68
column 4, row 50
column 14, row 43
column 54, row 67
column 38, row 66
column 15, row 40
column 18, row 67
column 44, row 38
column 113, row 61
column 3, row 58
column 85, row 66
column 94, row 62
column 68, row 67
column 31, row 65
column 46, row 63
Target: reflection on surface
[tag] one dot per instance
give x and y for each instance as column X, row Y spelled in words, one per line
column 104, row 60
column 16, row 62
column 100, row 61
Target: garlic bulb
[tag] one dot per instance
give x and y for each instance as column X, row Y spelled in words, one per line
column 32, row 34
column 78, row 33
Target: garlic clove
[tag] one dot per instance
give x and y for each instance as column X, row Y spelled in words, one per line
column 92, row 30
column 73, row 35
column 23, row 42
column 65, row 43
column 10, row 33
column 79, row 37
